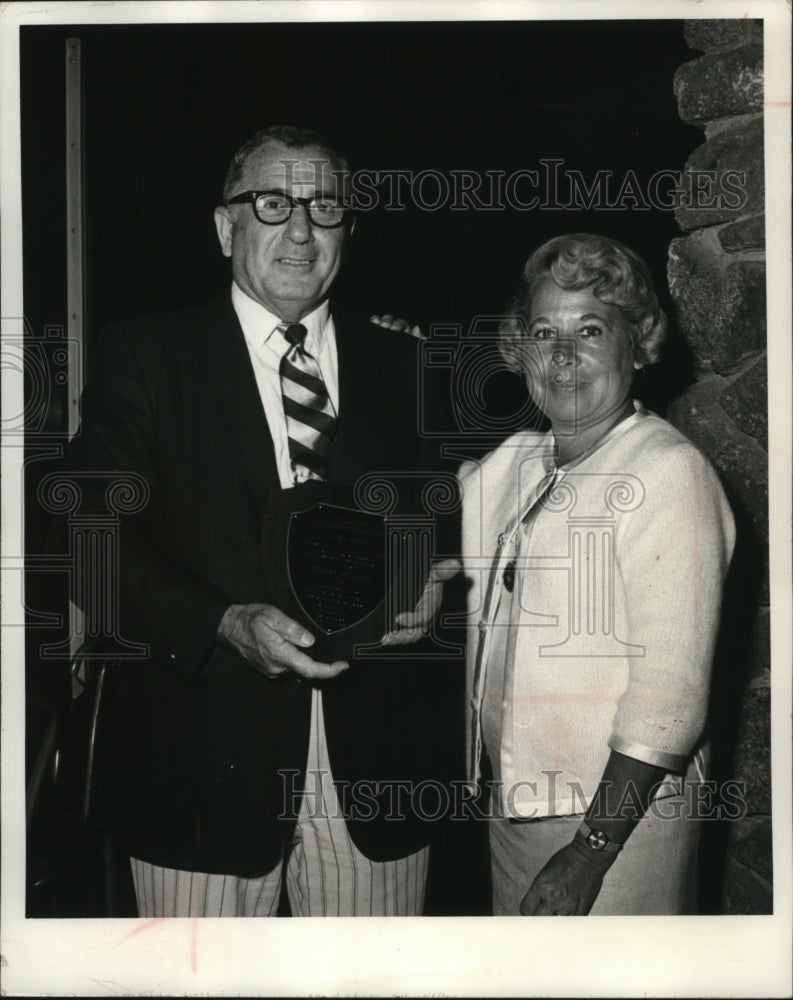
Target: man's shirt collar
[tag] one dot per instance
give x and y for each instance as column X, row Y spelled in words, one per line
column 261, row 325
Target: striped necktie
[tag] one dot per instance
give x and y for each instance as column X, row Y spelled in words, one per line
column 310, row 417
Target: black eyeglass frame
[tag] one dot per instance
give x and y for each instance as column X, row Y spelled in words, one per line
column 250, row 197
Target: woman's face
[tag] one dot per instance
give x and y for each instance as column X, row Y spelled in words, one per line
column 579, row 358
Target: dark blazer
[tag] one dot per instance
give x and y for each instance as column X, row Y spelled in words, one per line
column 202, row 758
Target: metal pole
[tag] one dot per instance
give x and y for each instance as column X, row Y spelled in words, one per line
column 75, row 231
column 75, row 268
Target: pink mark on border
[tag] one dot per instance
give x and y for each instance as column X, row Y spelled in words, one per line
column 144, row 927
column 194, row 947
column 776, row 104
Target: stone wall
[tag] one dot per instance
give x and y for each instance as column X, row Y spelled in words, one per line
column 717, row 283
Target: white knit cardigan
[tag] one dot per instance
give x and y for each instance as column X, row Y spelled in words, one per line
column 619, row 588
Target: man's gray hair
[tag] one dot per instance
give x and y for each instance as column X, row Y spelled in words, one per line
column 290, row 136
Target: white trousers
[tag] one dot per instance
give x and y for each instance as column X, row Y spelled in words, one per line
column 326, row 874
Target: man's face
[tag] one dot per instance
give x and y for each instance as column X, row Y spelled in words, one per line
column 288, row 268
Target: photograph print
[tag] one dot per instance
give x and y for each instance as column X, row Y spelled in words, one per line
column 393, row 468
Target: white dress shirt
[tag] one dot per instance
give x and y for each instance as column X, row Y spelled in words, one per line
column 266, row 346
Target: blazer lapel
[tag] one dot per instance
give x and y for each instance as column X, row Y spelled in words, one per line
column 360, row 401
column 230, row 374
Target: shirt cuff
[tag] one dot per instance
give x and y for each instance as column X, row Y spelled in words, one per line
column 659, row 758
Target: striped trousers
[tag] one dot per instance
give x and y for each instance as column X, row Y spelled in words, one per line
column 326, row 874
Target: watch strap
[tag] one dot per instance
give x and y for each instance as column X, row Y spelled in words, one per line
column 597, row 840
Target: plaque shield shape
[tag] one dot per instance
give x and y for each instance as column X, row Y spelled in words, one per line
column 338, row 573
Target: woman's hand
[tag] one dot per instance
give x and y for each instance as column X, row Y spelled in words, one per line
column 568, row 884
column 412, row 625
column 400, row 325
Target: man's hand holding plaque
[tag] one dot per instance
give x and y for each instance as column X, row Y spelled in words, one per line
column 273, row 643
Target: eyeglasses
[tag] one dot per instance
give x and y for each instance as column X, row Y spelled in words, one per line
column 273, row 208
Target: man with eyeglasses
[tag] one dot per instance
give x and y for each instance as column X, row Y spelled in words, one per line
column 234, row 759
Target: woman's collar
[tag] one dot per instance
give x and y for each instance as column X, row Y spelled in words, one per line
column 639, row 412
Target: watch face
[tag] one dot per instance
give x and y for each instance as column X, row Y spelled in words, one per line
column 597, row 840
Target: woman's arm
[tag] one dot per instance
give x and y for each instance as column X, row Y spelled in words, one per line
column 570, row 881
column 672, row 554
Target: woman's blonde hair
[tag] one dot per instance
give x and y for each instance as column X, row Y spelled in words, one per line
column 616, row 275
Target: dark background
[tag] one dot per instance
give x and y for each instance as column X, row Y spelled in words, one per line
column 166, row 106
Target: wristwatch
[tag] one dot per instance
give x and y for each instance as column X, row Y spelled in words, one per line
column 597, row 840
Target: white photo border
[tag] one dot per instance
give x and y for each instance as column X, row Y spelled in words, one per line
column 682, row 957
